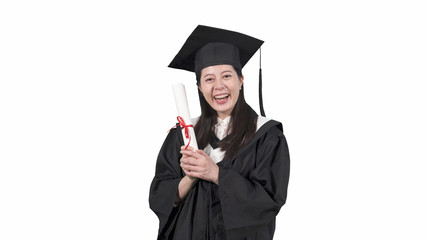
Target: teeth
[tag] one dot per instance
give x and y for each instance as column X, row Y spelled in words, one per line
column 221, row 96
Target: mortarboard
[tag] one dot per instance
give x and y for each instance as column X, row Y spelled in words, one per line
column 208, row 46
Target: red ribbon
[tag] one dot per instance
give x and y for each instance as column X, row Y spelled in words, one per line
column 186, row 129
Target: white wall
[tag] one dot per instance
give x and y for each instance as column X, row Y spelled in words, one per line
column 86, row 101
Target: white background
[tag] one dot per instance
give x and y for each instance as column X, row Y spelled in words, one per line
column 86, row 102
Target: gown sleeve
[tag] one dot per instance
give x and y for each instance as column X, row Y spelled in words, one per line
column 164, row 186
column 255, row 200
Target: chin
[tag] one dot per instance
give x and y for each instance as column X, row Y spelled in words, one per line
column 226, row 112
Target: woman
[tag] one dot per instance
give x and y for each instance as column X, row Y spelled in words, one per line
column 236, row 185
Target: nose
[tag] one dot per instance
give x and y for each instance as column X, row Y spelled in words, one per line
column 218, row 85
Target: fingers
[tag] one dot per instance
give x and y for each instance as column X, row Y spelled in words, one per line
column 192, row 171
column 199, row 158
column 190, row 148
column 192, row 174
column 193, row 161
column 202, row 153
column 198, row 164
column 208, row 173
column 191, row 168
column 194, row 154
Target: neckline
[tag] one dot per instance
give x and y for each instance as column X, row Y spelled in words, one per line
column 225, row 121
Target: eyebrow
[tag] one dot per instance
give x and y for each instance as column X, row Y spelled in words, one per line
column 208, row 74
column 226, row 71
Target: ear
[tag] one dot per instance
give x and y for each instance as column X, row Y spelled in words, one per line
column 241, row 81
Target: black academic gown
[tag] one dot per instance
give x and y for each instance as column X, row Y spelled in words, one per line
column 252, row 188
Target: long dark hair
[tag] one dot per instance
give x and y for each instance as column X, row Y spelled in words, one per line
column 242, row 125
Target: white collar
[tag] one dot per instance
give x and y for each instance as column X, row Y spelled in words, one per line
column 223, row 122
column 221, row 128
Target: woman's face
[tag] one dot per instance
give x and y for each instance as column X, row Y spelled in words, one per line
column 220, row 86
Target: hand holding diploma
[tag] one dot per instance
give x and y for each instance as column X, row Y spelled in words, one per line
column 184, row 118
column 197, row 164
column 189, row 137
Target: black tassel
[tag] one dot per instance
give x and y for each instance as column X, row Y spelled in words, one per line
column 261, row 106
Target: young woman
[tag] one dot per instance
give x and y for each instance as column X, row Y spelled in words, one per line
column 236, row 185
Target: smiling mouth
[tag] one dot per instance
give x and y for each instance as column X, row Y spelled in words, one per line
column 221, row 97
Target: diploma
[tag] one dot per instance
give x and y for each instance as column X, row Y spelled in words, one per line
column 183, row 111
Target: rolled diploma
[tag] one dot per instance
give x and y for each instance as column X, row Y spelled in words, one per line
column 183, row 111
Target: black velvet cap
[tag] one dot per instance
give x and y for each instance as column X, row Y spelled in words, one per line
column 208, row 46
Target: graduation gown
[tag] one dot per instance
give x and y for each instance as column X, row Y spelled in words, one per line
column 252, row 188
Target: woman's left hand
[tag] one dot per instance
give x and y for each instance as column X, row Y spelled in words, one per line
column 198, row 164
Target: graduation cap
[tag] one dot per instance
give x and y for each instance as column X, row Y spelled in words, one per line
column 209, row 46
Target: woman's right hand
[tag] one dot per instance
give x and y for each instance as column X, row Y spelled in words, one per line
column 185, row 158
column 186, row 183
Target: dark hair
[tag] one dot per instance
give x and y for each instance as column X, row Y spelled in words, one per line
column 242, row 125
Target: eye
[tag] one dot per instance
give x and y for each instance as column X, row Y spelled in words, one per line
column 208, row 79
column 227, row 76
